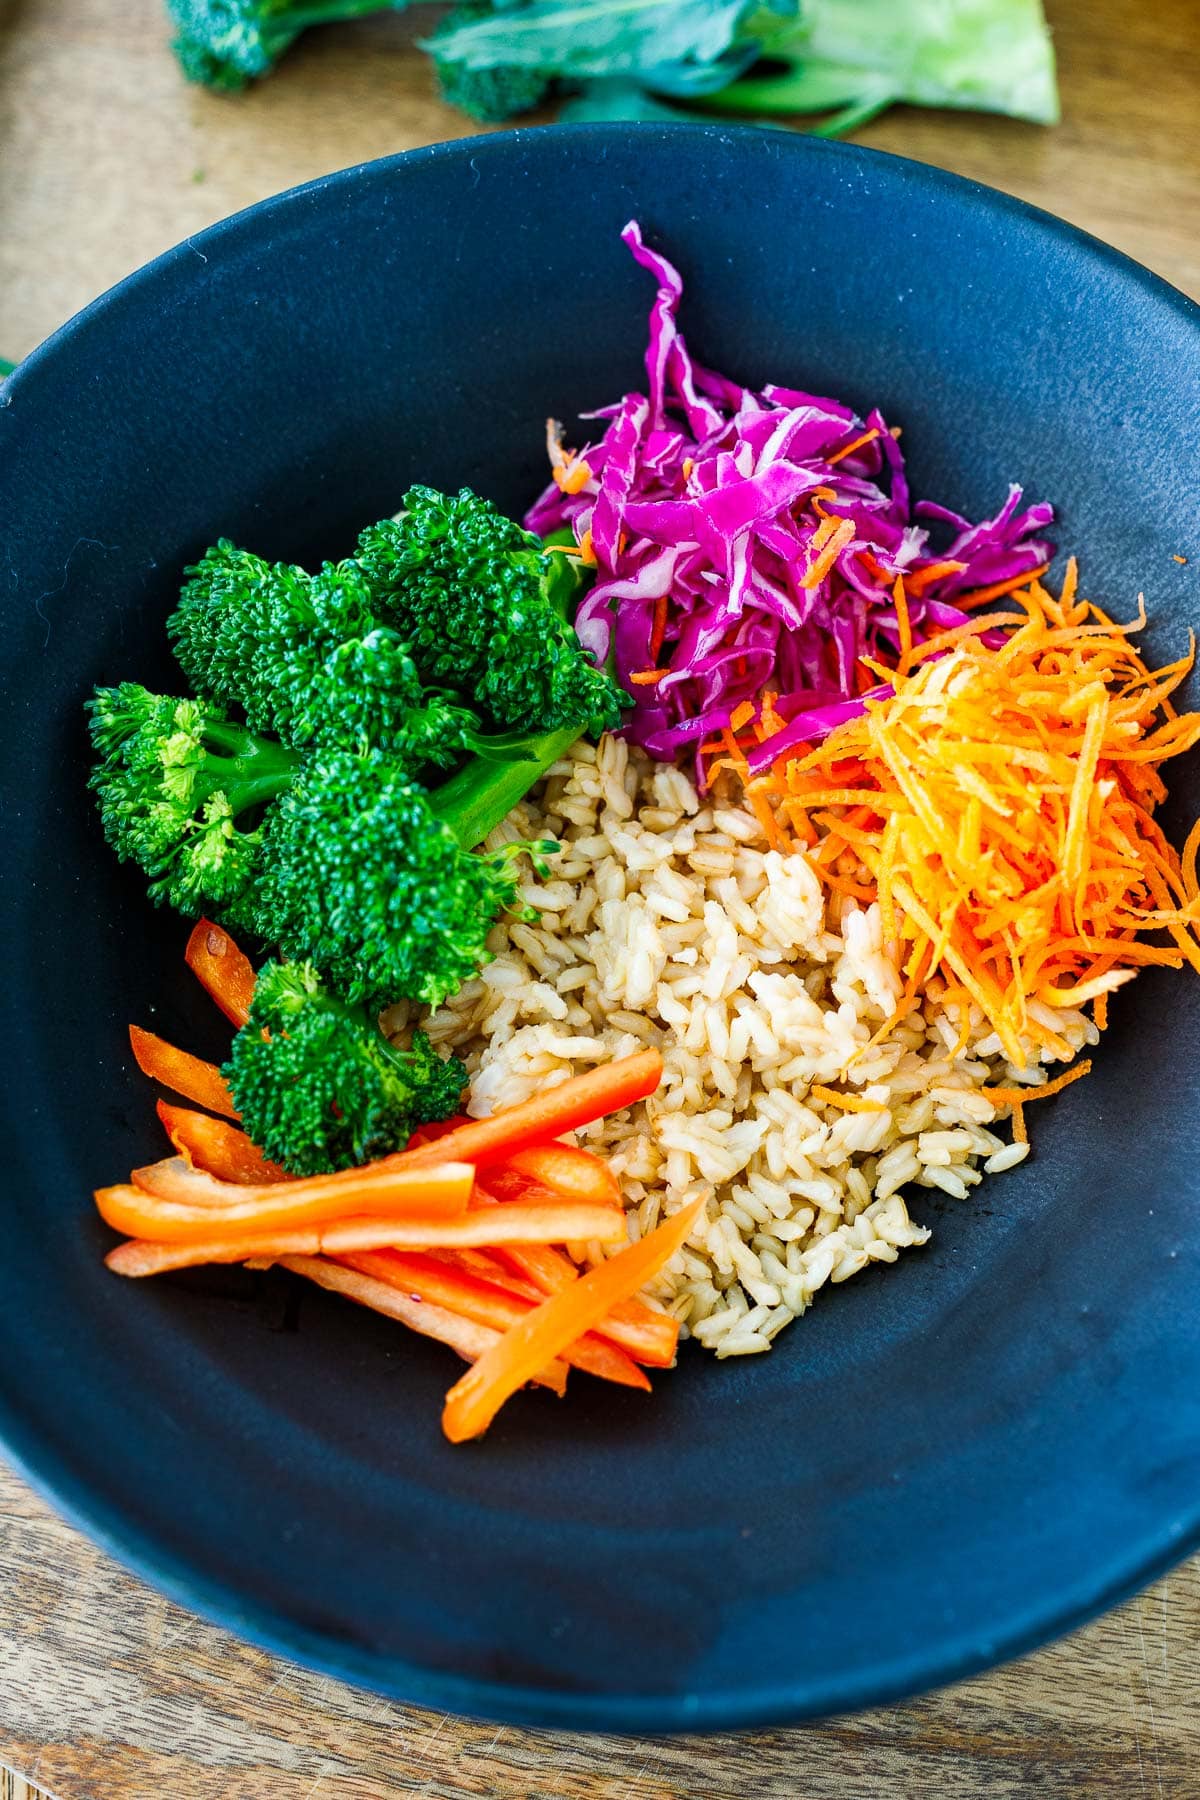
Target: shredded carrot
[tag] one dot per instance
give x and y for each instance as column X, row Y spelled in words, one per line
column 868, row 437
column 1001, row 804
column 903, row 620
column 829, row 551
column 1179, row 559
column 1017, row 1096
column 571, row 473
column 917, row 580
column 980, row 596
column 646, row 677
column 856, row 1103
column 658, row 630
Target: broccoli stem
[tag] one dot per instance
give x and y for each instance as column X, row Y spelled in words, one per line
column 249, row 771
column 475, row 800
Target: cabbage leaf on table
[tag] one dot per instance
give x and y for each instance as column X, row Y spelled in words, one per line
column 849, row 59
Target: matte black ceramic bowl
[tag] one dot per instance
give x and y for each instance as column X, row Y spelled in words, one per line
column 945, row 1462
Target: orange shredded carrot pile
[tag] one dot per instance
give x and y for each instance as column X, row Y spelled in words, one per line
column 1002, row 805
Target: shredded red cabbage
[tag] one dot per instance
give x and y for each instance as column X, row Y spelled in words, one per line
column 700, row 504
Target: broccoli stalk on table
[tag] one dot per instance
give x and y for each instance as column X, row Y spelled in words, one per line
column 227, row 43
column 494, row 92
column 317, row 1084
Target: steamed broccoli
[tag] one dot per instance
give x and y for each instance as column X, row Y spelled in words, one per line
column 337, row 856
column 307, row 658
column 370, row 876
column 173, row 779
column 492, row 94
column 227, row 43
column 324, row 1089
column 483, row 607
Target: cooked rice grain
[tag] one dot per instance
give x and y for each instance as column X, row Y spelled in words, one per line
column 669, row 921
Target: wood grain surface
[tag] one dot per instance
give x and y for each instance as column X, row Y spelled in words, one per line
column 109, row 1692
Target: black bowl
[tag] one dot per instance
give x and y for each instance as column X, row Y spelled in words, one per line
column 939, row 1467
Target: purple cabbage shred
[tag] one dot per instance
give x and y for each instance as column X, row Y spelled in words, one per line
column 701, row 505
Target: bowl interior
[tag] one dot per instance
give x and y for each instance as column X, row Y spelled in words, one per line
column 937, row 1466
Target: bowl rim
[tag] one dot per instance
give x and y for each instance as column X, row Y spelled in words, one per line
column 33, row 1453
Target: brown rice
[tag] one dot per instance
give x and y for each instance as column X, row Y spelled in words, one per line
column 668, row 920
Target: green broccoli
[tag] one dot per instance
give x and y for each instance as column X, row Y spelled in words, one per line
column 227, row 43
column 493, row 94
column 323, row 1089
column 337, row 855
column 307, row 658
column 370, row 876
column 174, row 776
column 483, row 607
column 337, row 820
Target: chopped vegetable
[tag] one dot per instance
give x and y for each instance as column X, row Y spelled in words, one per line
column 499, row 1225
column 566, row 1107
column 568, row 1170
column 223, row 970
column 173, row 1202
column 217, row 1147
column 650, row 1337
column 474, row 1401
column 1002, row 801
column 468, row 1336
column 476, row 1297
column 200, row 1081
column 747, row 547
column 317, row 1084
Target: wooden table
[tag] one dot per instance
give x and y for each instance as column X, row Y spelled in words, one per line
column 108, row 1692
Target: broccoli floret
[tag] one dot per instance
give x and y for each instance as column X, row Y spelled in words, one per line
column 173, row 779
column 323, row 1089
column 227, row 43
column 371, row 878
column 307, row 657
column 337, row 856
column 490, row 95
column 483, row 608
column 316, row 824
